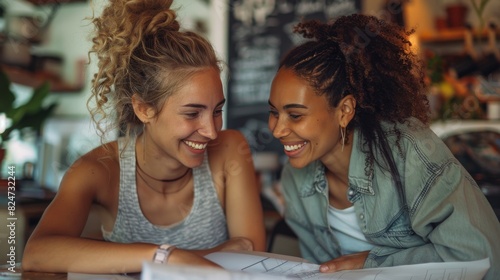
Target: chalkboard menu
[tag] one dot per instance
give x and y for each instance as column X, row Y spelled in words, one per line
column 260, row 32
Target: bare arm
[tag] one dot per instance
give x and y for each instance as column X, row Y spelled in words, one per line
column 242, row 201
column 56, row 245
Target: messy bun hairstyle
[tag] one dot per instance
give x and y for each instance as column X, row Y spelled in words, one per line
column 366, row 57
column 141, row 50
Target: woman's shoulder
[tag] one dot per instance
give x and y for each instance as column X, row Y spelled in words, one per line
column 412, row 130
column 98, row 161
column 230, row 137
column 229, row 141
column 95, row 174
column 229, row 150
column 408, row 125
column 107, row 151
column 417, row 138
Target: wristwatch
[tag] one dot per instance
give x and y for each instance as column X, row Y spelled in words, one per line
column 162, row 253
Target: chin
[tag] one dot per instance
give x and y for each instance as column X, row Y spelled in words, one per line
column 193, row 164
column 296, row 163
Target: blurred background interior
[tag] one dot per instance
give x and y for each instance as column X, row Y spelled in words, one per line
column 44, row 87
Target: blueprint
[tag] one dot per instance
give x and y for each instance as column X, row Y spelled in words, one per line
column 272, row 264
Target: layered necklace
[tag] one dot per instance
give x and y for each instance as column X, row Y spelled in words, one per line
column 140, row 172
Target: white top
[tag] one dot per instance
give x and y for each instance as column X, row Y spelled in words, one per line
column 345, row 227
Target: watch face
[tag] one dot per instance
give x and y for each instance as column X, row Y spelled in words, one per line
column 162, row 253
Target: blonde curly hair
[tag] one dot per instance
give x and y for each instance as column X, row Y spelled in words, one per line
column 141, row 50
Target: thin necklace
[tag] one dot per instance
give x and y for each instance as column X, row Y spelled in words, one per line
column 171, row 180
column 162, row 180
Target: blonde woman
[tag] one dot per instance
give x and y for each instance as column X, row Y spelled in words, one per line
column 175, row 191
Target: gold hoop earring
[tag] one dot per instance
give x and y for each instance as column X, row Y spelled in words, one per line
column 343, row 132
column 144, row 142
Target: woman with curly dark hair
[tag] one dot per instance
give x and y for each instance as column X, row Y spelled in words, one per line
column 174, row 191
column 367, row 183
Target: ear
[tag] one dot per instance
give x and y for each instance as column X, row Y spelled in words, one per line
column 347, row 110
column 142, row 110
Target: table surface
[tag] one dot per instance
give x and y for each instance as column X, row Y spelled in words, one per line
column 6, row 274
column 33, row 276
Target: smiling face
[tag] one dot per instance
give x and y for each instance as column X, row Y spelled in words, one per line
column 189, row 119
column 302, row 120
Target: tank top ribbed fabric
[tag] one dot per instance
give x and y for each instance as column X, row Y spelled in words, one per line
column 204, row 227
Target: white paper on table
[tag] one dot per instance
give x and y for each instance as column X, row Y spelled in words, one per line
column 267, row 266
column 89, row 276
column 273, row 264
column 154, row 271
column 266, row 263
column 473, row 270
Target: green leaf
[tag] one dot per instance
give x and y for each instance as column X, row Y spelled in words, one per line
column 7, row 97
column 31, row 114
column 35, row 120
column 33, row 105
column 39, row 94
column 479, row 9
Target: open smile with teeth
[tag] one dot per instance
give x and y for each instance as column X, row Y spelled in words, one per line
column 290, row 148
column 197, row 146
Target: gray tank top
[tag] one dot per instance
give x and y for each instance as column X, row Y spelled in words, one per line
column 204, row 227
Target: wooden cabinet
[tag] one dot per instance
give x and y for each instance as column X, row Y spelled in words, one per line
column 25, row 77
column 450, row 36
column 26, row 66
column 451, row 41
column 46, row 2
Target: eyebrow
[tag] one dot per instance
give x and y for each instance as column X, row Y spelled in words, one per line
column 290, row 106
column 201, row 106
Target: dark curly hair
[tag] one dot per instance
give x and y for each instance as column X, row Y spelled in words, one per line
column 370, row 59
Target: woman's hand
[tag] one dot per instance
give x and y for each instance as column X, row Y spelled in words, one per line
column 346, row 262
column 180, row 256
column 237, row 244
column 233, row 244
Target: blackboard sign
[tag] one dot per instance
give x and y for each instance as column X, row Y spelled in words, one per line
column 260, row 32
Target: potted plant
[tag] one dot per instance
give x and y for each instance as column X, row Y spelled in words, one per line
column 31, row 114
column 479, row 9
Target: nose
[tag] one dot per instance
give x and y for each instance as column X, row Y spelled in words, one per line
column 278, row 126
column 209, row 128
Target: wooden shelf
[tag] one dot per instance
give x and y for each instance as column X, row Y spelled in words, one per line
column 449, row 36
column 47, row 2
column 30, row 79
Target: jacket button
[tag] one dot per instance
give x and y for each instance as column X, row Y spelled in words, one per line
column 361, row 216
column 350, row 192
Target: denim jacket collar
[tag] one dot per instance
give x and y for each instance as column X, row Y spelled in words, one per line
column 358, row 179
column 315, row 174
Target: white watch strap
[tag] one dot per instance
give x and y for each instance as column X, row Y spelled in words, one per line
column 162, row 253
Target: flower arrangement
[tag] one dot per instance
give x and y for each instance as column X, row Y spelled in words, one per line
column 451, row 98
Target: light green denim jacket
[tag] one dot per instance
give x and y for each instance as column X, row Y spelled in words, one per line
column 446, row 216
